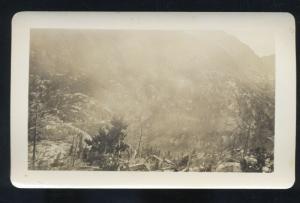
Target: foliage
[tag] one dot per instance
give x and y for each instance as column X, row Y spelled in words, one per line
column 106, row 147
column 52, row 102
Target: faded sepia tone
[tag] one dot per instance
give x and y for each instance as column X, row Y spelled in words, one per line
column 146, row 100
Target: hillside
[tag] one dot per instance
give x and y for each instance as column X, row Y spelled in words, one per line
column 177, row 90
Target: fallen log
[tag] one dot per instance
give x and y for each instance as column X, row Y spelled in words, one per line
column 229, row 167
column 139, row 167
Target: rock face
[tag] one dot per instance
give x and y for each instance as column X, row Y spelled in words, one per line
column 229, row 167
column 50, row 154
column 58, row 151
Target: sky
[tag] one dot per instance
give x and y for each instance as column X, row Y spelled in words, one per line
column 262, row 43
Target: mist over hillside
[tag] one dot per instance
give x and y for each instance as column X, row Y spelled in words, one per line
column 176, row 90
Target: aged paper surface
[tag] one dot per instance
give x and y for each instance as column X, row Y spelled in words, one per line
column 169, row 100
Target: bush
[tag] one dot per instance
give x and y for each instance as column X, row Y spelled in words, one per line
column 105, row 148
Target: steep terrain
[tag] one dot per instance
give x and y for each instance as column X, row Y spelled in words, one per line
column 175, row 89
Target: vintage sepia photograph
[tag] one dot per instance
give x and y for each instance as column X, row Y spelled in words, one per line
column 151, row 100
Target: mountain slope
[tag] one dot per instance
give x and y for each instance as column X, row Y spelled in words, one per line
column 178, row 88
